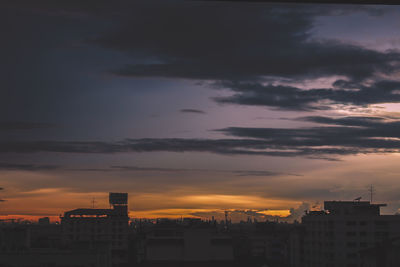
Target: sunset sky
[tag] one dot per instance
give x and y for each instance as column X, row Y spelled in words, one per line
column 196, row 107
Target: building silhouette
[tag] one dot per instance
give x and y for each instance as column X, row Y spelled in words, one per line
column 343, row 234
column 385, row 254
column 100, row 227
column 191, row 241
column 25, row 244
column 335, row 236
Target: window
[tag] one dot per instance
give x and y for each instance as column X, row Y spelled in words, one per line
column 351, row 234
column 381, row 223
column 351, row 244
column 351, row 255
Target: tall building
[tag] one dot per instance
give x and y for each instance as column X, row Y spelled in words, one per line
column 100, row 227
column 335, row 236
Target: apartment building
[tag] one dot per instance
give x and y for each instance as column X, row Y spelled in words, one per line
column 94, row 227
column 335, row 236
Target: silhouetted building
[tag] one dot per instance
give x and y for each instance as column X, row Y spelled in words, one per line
column 56, row 258
column 45, row 235
column 190, row 242
column 296, row 246
column 44, row 221
column 100, row 226
column 385, row 254
column 334, row 236
column 14, row 237
column 34, row 245
column 261, row 243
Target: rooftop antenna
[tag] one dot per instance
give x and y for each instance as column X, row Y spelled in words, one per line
column 371, row 192
column 93, row 202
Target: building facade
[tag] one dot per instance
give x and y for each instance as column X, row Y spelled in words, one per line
column 335, row 236
column 105, row 227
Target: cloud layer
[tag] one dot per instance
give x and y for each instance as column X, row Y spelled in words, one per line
column 294, row 98
column 176, row 42
column 337, row 136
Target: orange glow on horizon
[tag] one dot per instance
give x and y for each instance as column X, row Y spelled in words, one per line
column 54, row 201
column 279, row 213
column 31, row 218
column 156, row 214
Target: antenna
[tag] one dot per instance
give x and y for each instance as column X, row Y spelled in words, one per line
column 93, row 202
column 371, row 192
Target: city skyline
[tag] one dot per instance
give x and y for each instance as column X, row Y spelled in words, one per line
column 196, row 107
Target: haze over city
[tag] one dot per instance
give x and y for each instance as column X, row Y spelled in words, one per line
column 193, row 107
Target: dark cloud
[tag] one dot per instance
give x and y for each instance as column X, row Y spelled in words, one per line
column 218, row 146
column 293, row 98
column 198, row 111
column 26, row 167
column 236, row 46
column 175, row 41
column 364, row 121
column 242, row 47
column 120, row 7
column 263, row 173
column 365, row 2
column 308, row 60
column 350, row 135
column 339, row 136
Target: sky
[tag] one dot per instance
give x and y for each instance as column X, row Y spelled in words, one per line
column 196, row 107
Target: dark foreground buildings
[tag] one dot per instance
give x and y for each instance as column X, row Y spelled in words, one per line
column 85, row 238
column 344, row 234
column 100, row 228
